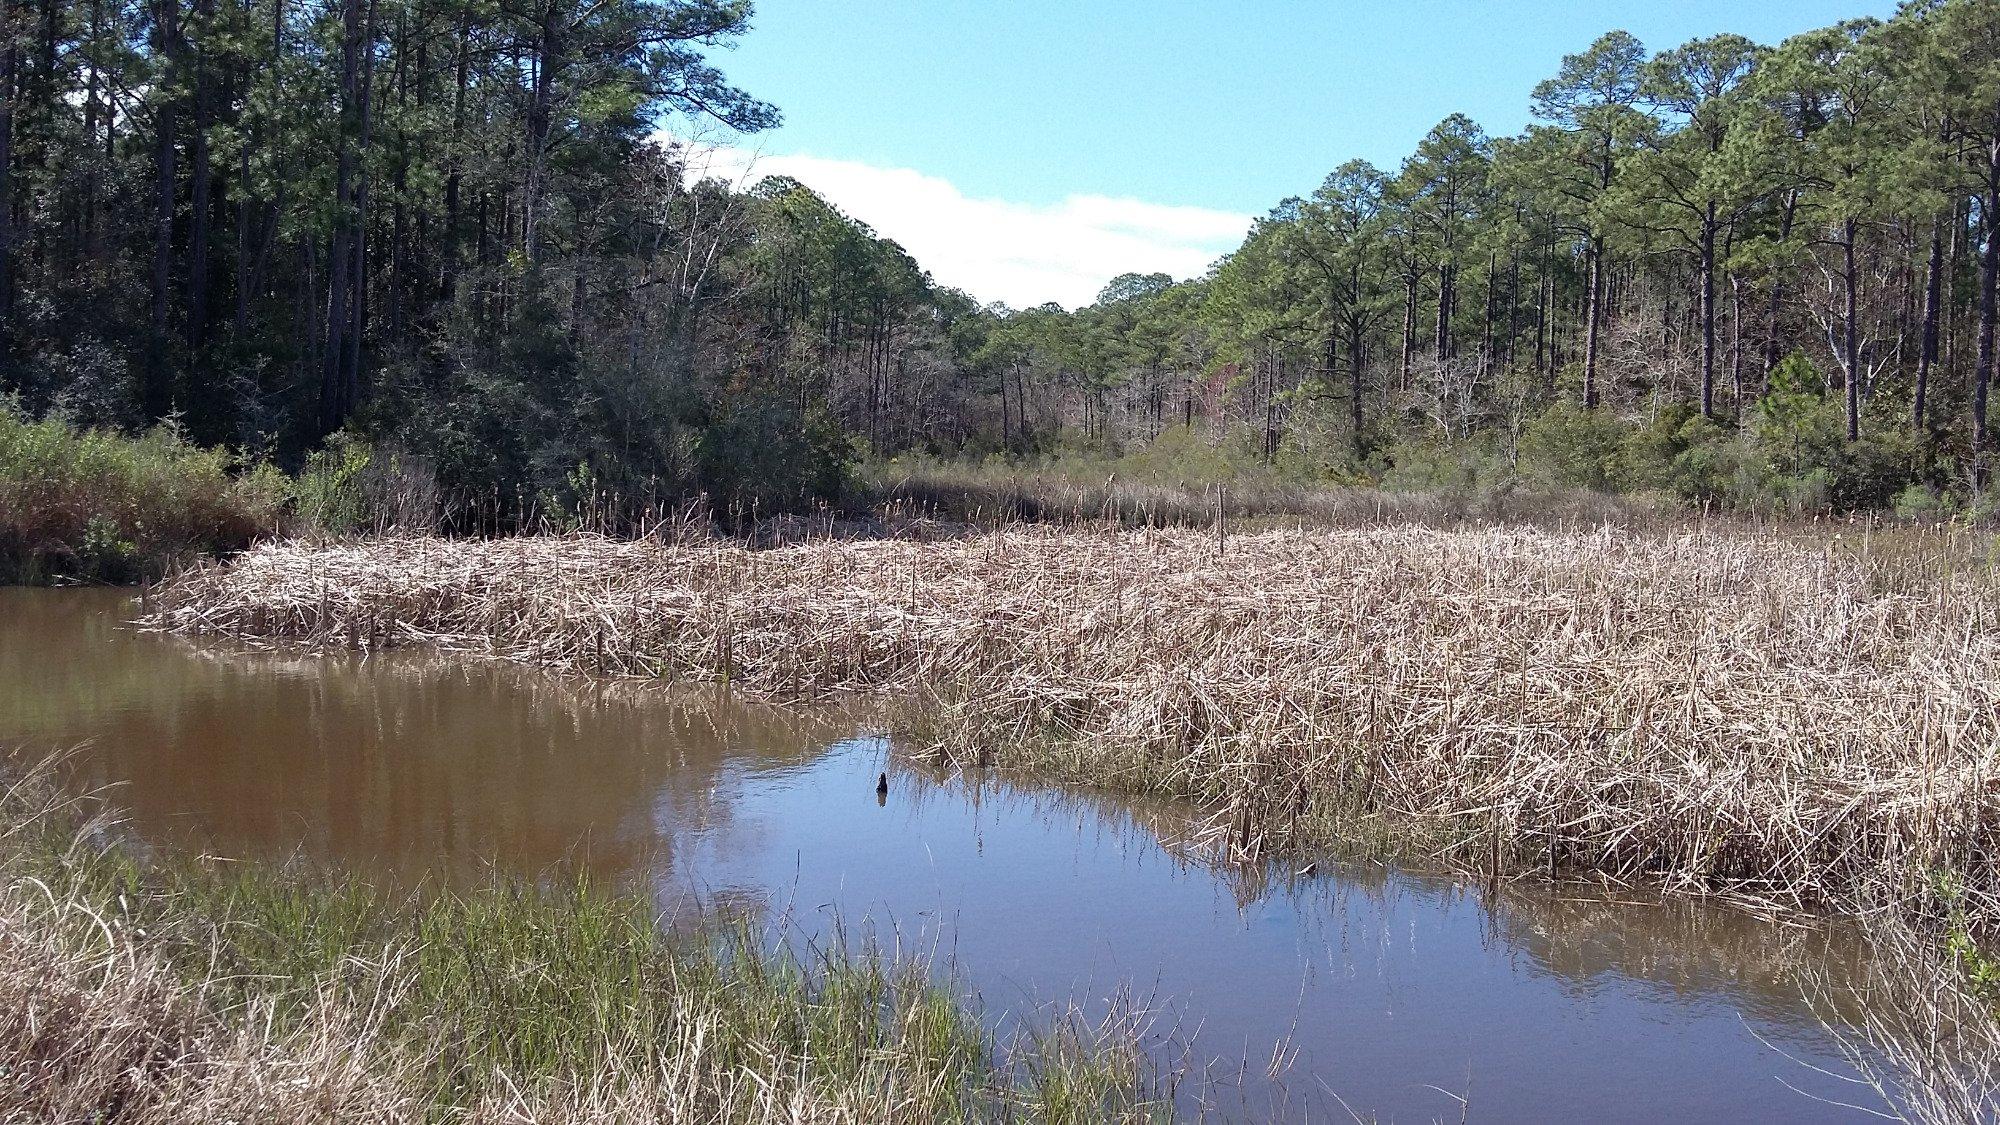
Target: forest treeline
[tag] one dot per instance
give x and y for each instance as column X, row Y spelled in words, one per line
column 456, row 236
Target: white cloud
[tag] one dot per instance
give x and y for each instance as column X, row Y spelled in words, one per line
column 998, row 250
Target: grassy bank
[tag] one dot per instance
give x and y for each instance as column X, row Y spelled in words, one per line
column 167, row 991
column 1133, row 492
column 90, row 505
column 1802, row 720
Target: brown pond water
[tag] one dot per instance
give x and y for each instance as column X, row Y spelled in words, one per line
column 1399, row 991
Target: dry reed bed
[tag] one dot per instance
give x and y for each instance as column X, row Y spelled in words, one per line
column 1810, row 722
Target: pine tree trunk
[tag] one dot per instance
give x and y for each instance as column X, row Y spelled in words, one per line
column 548, row 57
column 448, row 282
column 1513, row 305
column 1708, row 313
column 1771, row 337
column 1409, row 324
column 1486, row 316
column 1927, row 350
column 10, row 65
column 198, row 200
column 1441, row 345
column 334, row 401
column 1354, row 360
column 358, row 276
column 158, row 393
column 1544, row 364
column 1989, row 272
column 1593, row 316
column 1736, row 347
column 1850, row 333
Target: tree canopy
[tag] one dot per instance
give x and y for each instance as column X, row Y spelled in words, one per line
column 463, row 226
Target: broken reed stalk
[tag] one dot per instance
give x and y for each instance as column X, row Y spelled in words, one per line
column 1770, row 714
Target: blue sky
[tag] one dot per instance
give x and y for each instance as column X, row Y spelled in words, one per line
column 1059, row 136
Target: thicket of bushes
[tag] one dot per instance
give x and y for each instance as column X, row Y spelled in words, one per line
column 95, row 505
column 82, row 504
column 1790, row 454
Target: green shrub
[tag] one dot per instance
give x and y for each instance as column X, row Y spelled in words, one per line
column 1872, row 472
column 105, row 553
column 1924, row 502
column 91, row 505
column 1681, row 454
column 1712, row 463
column 1572, row 447
column 1458, row 468
column 351, row 487
column 328, row 494
column 1793, row 421
column 1646, row 456
column 1180, row 456
column 761, row 454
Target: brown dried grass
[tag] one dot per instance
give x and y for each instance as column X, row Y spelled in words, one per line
column 1803, row 719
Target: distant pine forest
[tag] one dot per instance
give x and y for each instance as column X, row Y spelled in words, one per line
column 459, row 237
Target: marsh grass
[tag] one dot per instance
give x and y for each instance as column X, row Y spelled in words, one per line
column 1785, row 716
column 1795, row 716
column 137, row 990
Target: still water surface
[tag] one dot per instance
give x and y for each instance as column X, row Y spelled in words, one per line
column 1399, row 991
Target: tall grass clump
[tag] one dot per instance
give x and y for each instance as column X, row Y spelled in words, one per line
column 173, row 990
column 353, row 487
column 92, row 505
column 1926, row 1045
column 1802, row 718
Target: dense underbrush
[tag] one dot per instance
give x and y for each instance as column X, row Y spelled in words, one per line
column 92, row 505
